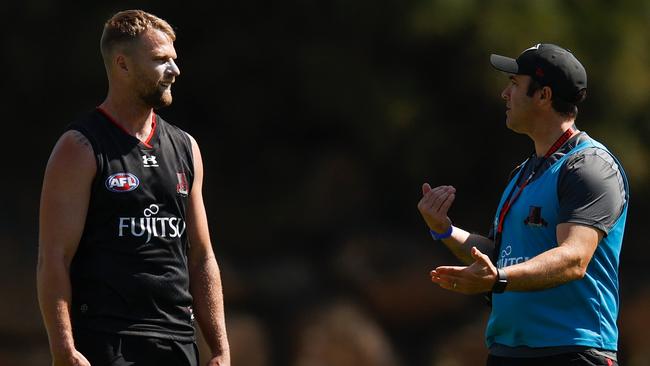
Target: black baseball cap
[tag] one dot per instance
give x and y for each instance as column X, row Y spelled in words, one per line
column 549, row 65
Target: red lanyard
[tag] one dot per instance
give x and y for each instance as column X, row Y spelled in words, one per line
column 510, row 201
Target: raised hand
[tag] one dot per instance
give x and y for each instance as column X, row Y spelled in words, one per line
column 434, row 205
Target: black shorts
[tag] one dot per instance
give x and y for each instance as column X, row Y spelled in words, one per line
column 106, row 349
column 583, row 358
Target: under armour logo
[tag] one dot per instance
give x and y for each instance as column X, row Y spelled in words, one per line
column 149, row 161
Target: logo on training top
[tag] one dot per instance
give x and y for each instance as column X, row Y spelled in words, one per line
column 122, row 182
column 535, row 218
column 507, row 259
column 149, row 161
column 151, row 225
column 182, row 187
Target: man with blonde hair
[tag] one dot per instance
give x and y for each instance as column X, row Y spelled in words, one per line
column 125, row 259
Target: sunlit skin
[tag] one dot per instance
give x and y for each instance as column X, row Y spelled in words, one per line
column 518, row 104
column 140, row 76
column 153, row 68
column 534, row 116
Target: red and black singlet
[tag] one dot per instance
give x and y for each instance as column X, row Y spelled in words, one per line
column 129, row 274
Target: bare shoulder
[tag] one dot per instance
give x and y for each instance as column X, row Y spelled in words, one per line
column 65, row 195
column 192, row 140
column 196, row 152
column 74, row 139
column 73, row 152
column 78, row 138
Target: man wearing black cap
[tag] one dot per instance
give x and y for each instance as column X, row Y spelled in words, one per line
column 550, row 261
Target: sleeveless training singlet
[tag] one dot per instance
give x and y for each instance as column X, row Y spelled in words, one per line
column 130, row 275
column 578, row 313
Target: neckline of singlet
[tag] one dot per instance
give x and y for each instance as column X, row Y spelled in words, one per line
column 510, row 199
column 575, row 140
column 147, row 142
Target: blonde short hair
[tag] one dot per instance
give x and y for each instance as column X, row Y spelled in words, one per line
column 125, row 26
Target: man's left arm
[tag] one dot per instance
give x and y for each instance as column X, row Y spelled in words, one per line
column 592, row 195
column 564, row 263
column 205, row 279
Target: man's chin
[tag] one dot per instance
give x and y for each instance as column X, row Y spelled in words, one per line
column 159, row 101
column 514, row 128
column 165, row 102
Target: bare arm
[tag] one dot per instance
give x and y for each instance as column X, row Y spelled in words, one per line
column 64, row 204
column 565, row 263
column 205, row 279
column 433, row 207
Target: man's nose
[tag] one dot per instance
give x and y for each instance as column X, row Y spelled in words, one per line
column 173, row 68
column 505, row 94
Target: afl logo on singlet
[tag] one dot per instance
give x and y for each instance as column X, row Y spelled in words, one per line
column 122, row 182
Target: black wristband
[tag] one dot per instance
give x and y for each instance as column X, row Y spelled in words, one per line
column 501, row 283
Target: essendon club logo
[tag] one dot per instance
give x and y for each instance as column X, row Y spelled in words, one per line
column 122, row 182
column 535, row 217
column 182, row 187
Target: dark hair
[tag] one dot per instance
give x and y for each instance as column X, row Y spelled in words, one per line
column 563, row 107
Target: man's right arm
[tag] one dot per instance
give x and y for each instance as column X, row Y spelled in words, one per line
column 64, row 203
column 433, row 207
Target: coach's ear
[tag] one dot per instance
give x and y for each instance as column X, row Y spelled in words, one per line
column 120, row 62
column 545, row 94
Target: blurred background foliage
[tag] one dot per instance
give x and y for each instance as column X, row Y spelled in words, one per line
column 318, row 122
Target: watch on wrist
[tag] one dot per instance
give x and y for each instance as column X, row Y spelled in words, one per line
column 501, row 283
